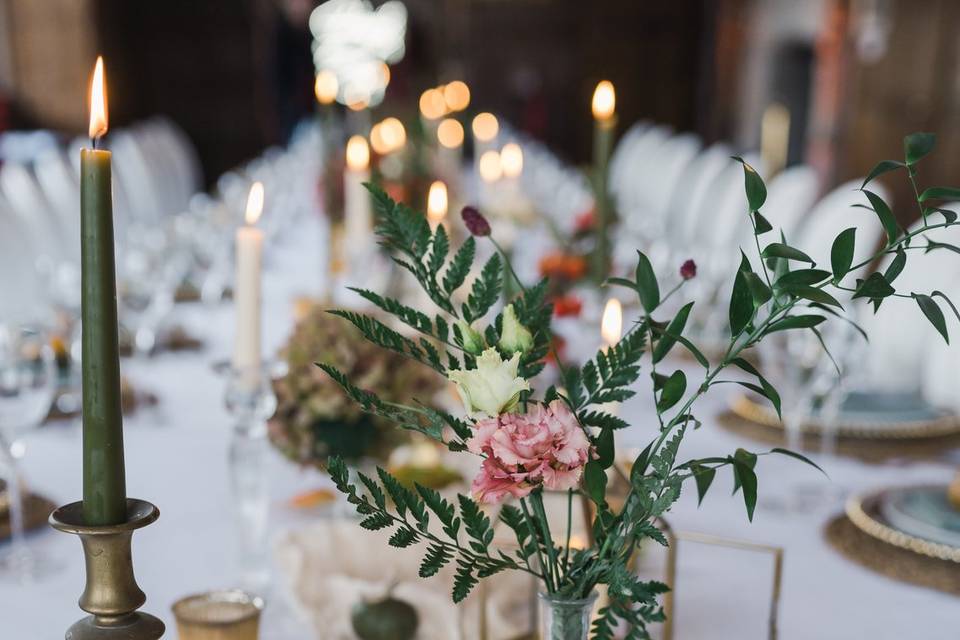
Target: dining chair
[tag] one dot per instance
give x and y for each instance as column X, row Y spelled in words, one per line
column 831, row 215
column 899, row 333
column 61, row 189
column 27, row 202
column 24, row 290
column 940, row 362
column 646, row 206
column 687, row 201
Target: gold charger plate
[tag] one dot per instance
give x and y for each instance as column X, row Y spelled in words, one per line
column 865, row 513
column 752, row 410
column 36, row 510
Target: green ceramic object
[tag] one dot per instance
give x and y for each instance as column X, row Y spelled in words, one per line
column 387, row 619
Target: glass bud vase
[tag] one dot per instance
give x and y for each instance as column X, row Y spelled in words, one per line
column 565, row 619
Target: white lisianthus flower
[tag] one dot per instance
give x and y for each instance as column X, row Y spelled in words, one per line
column 514, row 337
column 493, row 387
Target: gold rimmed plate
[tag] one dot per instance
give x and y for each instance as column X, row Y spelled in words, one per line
column 864, row 416
column 917, row 518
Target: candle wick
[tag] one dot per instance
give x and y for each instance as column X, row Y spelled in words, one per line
column 93, row 142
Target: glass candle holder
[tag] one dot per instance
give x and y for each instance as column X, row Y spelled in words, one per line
column 218, row 615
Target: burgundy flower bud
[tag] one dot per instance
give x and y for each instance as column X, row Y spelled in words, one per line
column 688, row 270
column 475, row 222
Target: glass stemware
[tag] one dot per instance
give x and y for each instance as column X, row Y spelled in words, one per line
column 28, row 382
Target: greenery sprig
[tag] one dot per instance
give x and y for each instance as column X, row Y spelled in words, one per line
column 780, row 288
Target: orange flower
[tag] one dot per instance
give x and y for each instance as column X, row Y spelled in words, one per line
column 574, row 267
column 396, row 190
column 560, row 265
column 568, row 305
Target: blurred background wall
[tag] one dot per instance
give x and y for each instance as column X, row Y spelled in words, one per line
column 236, row 74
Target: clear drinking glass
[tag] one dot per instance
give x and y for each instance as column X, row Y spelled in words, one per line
column 564, row 619
column 250, row 399
column 28, row 380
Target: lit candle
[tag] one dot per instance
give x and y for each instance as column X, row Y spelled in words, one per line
column 388, row 136
column 104, row 482
column 357, row 214
column 432, row 108
column 774, row 139
column 605, row 123
column 485, row 129
column 437, row 203
column 246, row 351
column 611, row 330
column 611, row 324
column 511, row 161
column 491, row 170
column 456, row 96
column 511, row 164
column 450, row 151
column 325, row 87
column 490, row 166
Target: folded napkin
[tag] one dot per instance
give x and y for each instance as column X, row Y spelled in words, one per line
column 329, row 566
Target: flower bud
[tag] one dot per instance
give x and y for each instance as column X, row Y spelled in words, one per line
column 514, row 337
column 475, row 222
column 472, row 340
column 688, row 270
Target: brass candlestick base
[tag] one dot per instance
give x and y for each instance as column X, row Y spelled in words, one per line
column 111, row 594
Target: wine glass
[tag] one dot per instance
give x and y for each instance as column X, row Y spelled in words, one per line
column 27, row 384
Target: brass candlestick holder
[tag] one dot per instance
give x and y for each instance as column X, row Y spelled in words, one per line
column 111, row 595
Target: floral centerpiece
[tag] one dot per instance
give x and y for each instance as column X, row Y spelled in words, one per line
column 562, row 438
column 315, row 418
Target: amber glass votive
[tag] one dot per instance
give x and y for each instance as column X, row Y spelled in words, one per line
column 218, row 615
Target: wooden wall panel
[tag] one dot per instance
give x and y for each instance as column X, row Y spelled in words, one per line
column 51, row 46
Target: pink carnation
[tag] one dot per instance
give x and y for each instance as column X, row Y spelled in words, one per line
column 546, row 446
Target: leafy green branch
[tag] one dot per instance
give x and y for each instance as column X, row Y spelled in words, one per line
column 411, row 519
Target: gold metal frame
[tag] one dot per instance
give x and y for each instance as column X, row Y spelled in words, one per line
column 674, row 537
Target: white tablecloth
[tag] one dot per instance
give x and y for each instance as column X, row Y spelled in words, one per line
column 176, row 458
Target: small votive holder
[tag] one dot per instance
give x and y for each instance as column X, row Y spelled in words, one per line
column 218, row 615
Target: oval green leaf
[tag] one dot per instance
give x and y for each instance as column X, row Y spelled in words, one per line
column 917, row 145
column 841, row 253
column 753, row 185
column 781, row 250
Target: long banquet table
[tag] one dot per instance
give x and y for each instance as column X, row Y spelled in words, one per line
column 176, row 458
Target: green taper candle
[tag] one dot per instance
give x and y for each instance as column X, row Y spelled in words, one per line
column 605, row 124
column 104, row 484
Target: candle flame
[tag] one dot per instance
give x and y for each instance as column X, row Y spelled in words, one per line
column 98, row 102
column 393, row 133
column 456, row 95
column 432, row 104
column 485, row 127
column 254, row 203
column 358, row 153
column 388, row 136
column 491, row 169
column 604, row 100
column 511, row 160
column 377, row 143
column 611, row 326
column 437, row 202
column 450, row 133
column 326, row 86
